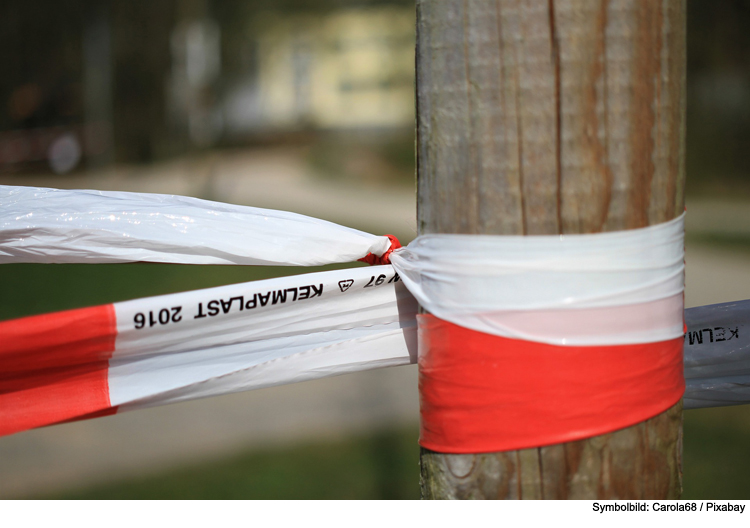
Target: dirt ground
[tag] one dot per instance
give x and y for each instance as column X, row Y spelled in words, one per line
column 78, row 454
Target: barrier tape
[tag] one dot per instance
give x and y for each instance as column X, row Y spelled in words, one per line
column 68, row 226
column 178, row 347
column 501, row 365
column 622, row 287
column 538, row 340
column 717, row 355
column 483, row 393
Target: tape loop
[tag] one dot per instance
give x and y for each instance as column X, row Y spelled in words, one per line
column 385, row 258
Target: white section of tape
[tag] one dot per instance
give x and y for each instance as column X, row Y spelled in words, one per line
column 61, row 226
column 258, row 334
column 614, row 288
column 387, row 348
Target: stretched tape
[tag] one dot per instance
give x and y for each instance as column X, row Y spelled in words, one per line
column 60, row 226
column 172, row 348
column 557, row 316
column 96, row 361
column 717, row 355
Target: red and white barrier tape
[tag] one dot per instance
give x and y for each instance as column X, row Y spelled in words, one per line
column 544, row 339
column 531, row 341
column 171, row 348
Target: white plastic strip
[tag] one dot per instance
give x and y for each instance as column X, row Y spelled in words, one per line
column 203, row 343
column 623, row 287
column 61, row 226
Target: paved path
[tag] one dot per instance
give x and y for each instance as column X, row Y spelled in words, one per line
column 106, row 449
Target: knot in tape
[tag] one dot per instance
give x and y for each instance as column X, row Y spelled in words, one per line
column 385, row 258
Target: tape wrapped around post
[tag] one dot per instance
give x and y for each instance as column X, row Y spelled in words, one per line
column 531, row 341
column 483, row 393
column 539, row 340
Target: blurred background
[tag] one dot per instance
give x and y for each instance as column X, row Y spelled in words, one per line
column 307, row 106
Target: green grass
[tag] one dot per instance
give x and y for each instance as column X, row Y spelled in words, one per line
column 716, row 461
column 386, row 466
column 381, row 466
column 738, row 242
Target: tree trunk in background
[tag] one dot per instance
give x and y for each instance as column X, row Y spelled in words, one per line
column 546, row 117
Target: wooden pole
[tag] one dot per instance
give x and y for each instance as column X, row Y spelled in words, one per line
column 545, row 117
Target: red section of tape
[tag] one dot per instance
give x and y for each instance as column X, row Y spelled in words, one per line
column 481, row 393
column 54, row 367
column 385, row 258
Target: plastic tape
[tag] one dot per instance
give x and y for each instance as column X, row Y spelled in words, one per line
column 538, row 340
column 521, row 305
column 484, row 393
column 623, row 287
column 146, row 352
column 717, row 355
column 158, row 350
column 60, row 226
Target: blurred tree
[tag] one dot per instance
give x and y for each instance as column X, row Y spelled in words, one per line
column 718, row 104
column 43, row 82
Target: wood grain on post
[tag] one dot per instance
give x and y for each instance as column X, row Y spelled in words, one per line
column 546, row 117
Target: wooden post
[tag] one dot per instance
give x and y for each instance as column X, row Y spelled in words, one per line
column 545, row 117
